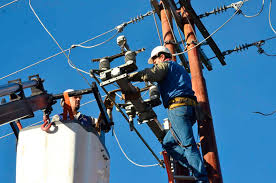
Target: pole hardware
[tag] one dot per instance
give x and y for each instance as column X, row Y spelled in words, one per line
column 111, row 58
column 131, row 112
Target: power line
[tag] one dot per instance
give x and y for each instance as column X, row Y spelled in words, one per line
column 74, row 66
column 79, row 45
column 269, row 17
column 127, row 156
column 40, row 61
column 55, row 40
column 268, row 114
column 252, row 16
column 119, row 28
column 9, row 3
column 157, row 29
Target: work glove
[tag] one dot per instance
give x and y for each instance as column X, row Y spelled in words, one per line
column 108, row 103
column 134, row 76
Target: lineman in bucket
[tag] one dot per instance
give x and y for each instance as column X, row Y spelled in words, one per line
column 177, row 95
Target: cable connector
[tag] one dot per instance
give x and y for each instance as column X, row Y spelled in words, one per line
column 237, row 6
column 121, row 27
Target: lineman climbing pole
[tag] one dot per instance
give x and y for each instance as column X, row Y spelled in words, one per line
column 206, row 129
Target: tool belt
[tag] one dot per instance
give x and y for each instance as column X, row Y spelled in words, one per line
column 180, row 101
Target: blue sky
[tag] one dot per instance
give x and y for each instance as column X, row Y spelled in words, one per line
column 245, row 140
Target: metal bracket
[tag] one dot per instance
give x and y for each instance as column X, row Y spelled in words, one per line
column 38, row 88
column 128, row 67
column 112, row 80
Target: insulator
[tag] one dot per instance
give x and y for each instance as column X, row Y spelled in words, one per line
column 139, row 17
column 104, row 64
column 130, row 55
column 241, row 47
column 215, row 11
column 154, row 92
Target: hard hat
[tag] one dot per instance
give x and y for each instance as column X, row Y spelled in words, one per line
column 156, row 51
column 62, row 100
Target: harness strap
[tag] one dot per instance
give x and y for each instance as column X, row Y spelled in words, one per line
column 67, row 107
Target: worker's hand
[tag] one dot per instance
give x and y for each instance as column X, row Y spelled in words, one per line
column 108, row 103
column 133, row 76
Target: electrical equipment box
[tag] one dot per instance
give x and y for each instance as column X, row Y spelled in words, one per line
column 68, row 153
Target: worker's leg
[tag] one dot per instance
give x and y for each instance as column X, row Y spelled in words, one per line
column 174, row 150
column 182, row 118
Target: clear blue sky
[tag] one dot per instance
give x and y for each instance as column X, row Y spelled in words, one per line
column 245, row 140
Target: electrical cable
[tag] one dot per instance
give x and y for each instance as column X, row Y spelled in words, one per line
column 270, row 55
column 53, row 56
column 269, row 114
column 79, row 45
column 127, row 156
column 252, row 16
column 118, row 28
column 212, row 33
column 8, row 4
column 157, row 29
column 269, row 17
column 97, row 36
column 270, row 38
column 56, row 42
column 73, row 66
column 40, row 61
column 182, row 40
column 6, row 135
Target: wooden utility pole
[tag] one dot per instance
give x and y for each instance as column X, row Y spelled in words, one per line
column 206, row 129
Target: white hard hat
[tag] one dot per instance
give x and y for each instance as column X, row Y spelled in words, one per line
column 156, row 51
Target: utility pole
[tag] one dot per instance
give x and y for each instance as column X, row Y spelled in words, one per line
column 206, row 128
column 167, row 26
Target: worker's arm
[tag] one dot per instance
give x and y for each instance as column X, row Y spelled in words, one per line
column 155, row 74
